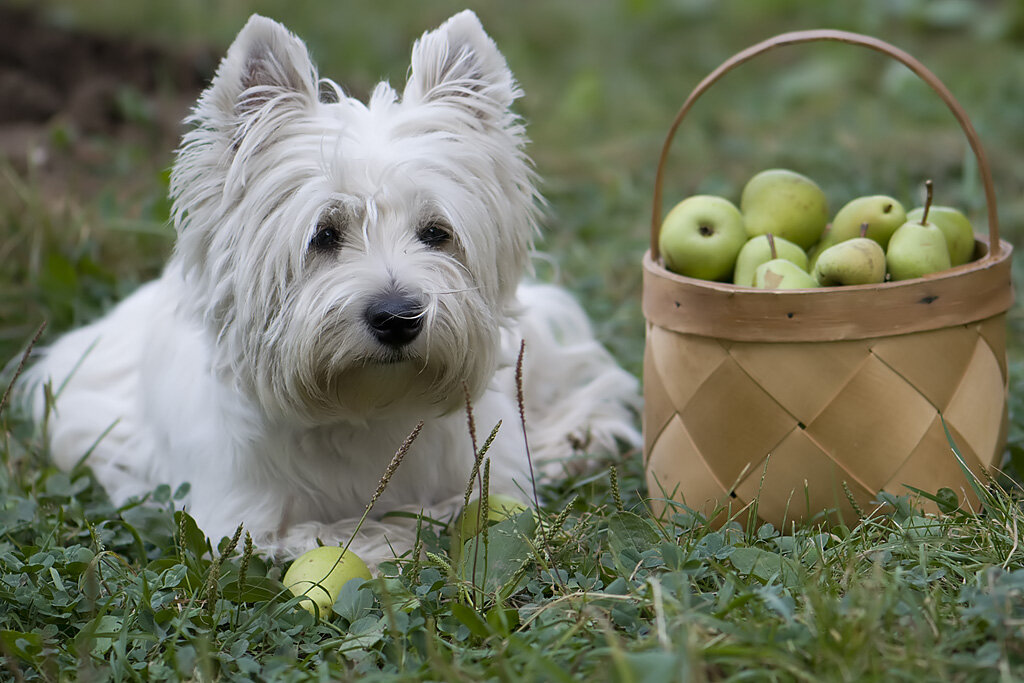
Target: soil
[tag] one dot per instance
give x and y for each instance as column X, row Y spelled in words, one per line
column 69, row 100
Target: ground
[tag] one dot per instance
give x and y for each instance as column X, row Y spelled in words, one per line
column 63, row 90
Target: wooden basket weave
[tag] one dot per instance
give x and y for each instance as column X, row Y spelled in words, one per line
column 801, row 399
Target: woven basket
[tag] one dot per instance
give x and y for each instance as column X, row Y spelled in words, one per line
column 803, row 399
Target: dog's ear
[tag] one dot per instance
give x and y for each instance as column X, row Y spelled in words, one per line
column 459, row 64
column 265, row 63
column 266, row 79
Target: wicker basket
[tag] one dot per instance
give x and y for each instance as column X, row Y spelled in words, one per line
column 802, row 399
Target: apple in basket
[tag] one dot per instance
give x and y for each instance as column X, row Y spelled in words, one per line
column 956, row 227
column 761, row 249
column 701, row 236
column 918, row 247
column 779, row 272
column 869, row 240
column 881, row 213
column 782, row 274
column 785, row 203
column 856, row 261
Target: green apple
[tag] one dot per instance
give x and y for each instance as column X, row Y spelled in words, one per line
column 957, row 229
column 469, row 522
column 821, row 245
column 499, row 507
column 701, row 236
column 785, row 203
column 882, row 214
column 781, row 273
column 918, row 247
column 757, row 250
column 857, row 261
column 320, row 573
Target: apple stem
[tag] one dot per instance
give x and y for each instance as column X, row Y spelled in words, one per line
column 771, row 245
column 927, row 201
column 864, row 229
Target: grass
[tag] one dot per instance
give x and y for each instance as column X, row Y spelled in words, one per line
column 608, row 591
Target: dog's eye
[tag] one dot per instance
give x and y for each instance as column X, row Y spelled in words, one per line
column 327, row 238
column 434, row 234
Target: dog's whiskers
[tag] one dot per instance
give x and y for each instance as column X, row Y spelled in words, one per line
column 453, row 290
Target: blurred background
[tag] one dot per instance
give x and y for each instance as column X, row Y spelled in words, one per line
column 92, row 93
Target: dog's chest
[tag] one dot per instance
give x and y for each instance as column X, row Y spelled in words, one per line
column 332, row 472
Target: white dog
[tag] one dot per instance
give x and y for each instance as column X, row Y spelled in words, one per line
column 342, row 271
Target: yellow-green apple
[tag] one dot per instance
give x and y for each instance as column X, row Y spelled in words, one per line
column 781, row 273
column 918, row 247
column 857, row 261
column 785, row 203
column 701, row 236
column 320, row 573
column 957, row 229
column 470, row 521
column 757, row 250
column 882, row 213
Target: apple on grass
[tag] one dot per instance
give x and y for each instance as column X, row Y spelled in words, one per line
column 469, row 523
column 701, row 236
column 320, row 574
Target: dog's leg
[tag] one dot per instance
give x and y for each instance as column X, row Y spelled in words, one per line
column 377, row 540
column 96, row 413
column 577, row 398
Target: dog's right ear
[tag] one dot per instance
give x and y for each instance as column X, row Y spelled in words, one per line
column 266, row 64
column 266, row 79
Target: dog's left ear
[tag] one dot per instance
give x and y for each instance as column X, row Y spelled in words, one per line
column 460, row 65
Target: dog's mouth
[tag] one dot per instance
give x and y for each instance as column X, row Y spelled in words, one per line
column 383, row 381
column 387, row 356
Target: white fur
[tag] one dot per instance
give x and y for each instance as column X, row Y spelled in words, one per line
column 249, row 369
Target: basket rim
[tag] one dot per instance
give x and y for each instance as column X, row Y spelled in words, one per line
column 968, row 293
column 857, row 39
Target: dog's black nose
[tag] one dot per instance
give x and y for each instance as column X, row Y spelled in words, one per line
column 395, row 318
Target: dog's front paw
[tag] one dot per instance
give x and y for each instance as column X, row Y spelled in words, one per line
column 376, row 541
column 586, row 449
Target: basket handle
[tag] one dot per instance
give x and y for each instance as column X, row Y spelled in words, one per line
column 797, row 37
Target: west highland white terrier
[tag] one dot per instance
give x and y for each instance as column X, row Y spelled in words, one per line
column 342, row 271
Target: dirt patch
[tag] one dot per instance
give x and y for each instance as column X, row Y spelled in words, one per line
column 69, row 99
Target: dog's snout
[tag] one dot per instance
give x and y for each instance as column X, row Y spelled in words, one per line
column 395, row 319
